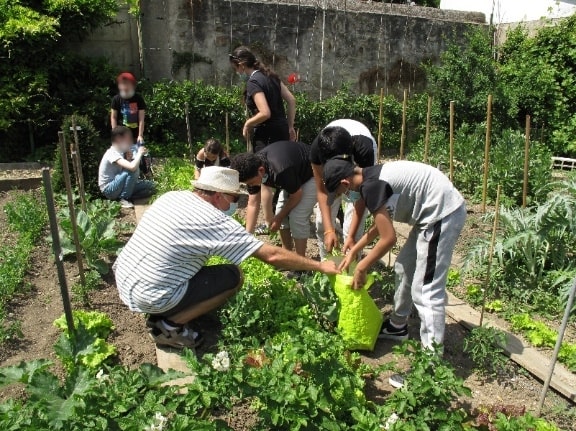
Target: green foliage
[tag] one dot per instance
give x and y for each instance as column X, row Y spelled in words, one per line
column 92, row 282
column 509, row 418
column 484, row 345
column 87, row 347
column 27, row 215
column 174, row 174
column 96, row 232
column 322, row 299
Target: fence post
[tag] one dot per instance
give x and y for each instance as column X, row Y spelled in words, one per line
column 403, row 135
column 452, row 140
column 189, row 131
column 76, row 155
column 380, row 113
column 227, row 128
column 487, row 151
column 71, row 208
column 427, row 136
column 57, row 250
column 526, row 163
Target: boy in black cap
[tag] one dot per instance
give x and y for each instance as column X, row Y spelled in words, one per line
column 423, row 197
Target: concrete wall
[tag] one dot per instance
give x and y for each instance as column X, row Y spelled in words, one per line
column 326, row 42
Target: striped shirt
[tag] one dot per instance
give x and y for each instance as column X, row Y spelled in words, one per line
column 172, row 242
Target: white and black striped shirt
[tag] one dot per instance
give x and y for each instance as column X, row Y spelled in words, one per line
column 174, row 239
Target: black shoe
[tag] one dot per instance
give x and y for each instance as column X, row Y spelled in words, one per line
column 389, row 332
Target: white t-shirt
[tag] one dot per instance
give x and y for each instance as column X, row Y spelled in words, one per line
column 109, row 169
column 413, row 193
column 172, row 242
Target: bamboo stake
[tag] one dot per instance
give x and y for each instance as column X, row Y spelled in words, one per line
column 79, row 174
column 380, row 113
column 557, row 347
column 227, row 128
column 526, row 163
column 451, row 140
column 427, row 136
column 71, row 207
column 403, row 136
column 189, row 131
column 487, row 151
column 491, row 254
column 57, row 250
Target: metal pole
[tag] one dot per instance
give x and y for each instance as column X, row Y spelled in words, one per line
column 189, row 131
column 71, row 208
column 427, row 136
column 561, row 332
column 58, row 257
column 490, row 254
column 487, row 151
column 380, row 113
column 403, row 135
column 451, row 140
column 79, row 173
column 526, row 163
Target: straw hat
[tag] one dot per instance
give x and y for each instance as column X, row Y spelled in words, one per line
column 219, row 179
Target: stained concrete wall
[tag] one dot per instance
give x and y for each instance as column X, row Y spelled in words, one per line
column 327, row 42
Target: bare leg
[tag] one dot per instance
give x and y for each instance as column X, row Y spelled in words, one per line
column 300, row 245
column 286, row 238
column 267, row 196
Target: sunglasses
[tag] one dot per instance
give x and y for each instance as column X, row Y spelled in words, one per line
column 235, row 198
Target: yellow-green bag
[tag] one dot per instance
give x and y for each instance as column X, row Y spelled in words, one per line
column 360, row 319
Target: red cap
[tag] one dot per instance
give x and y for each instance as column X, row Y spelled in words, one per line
column 126, row 76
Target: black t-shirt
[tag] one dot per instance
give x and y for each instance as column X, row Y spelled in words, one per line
column 222, row 160
column 260, row 83
column 373, row 190
column 127, row 110
column 362, row 151
column 287, row 164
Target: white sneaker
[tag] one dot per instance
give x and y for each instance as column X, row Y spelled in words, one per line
column 126, row 204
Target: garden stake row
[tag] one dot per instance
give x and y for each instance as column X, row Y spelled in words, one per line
column 57, row 250
column 452, row 140
column 71, row 208
column 490, row 255
column 380, row 125
column 75, row 153
column 189, row 131
column 227, row 127
column 427, row 136
column 526, row 163
column 561, row 333
column 403, row 135
column 487, row 151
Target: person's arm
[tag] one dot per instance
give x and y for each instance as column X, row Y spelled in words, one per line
column 141, row 119
column 382, row 227
column 330, row 237
column 199, row 163
column 113, row 117
column 252, row 211
column 135, row 163
column 284, row 259
column 359, row 208
column 262, row 115
column 291, row 109
column 293, row 200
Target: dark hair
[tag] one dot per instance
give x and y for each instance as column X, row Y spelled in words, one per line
column 205, row 192
column 119, row 131
column 247, row 165
column 213, row 146
column 335, row 141
column 243, row 55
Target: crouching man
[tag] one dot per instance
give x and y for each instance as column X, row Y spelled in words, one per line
column 161, row 270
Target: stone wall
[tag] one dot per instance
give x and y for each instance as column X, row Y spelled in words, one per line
column 326, row 42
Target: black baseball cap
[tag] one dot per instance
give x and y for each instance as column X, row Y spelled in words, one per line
column 335, row 170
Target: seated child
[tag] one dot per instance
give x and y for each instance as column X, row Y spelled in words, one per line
column 212, row 154
column 117, row 176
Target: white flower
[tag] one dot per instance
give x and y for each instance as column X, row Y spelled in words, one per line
column 159, row 422
column 391, row 421
column 221, row 361
column 101, row 377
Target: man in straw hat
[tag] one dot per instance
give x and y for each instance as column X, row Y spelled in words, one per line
column 161, row 270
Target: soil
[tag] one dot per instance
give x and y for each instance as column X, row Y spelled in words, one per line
column 16, row 174
column 41, row 305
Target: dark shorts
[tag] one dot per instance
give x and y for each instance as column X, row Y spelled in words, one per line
column 209, row 282
column 266, row 134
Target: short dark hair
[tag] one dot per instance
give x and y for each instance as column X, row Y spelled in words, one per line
column 119, row 131
column 247, row 165
column 335, row 141
column 213, row 146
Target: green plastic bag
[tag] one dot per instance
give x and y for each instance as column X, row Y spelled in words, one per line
column 360, row 319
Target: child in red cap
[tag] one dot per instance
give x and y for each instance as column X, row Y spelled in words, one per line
column 128, row 107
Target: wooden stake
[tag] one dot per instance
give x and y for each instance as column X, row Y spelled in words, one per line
column 451, row 140
column 380, row 113
column 227, row 128
column 189, row 131
column 427, row 136
column 403, row 135
column 490, row 254
column 76, row 155
column 57, row 250
column 487, row 151
column 71, row 207
column 526, row 163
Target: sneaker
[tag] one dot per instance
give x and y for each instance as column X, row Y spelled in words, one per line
column 126, row 204
column 396, row 381
column 262, row 229
column 178, row 338
column 389, row 332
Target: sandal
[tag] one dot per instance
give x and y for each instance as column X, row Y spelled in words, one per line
column 179, row 338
